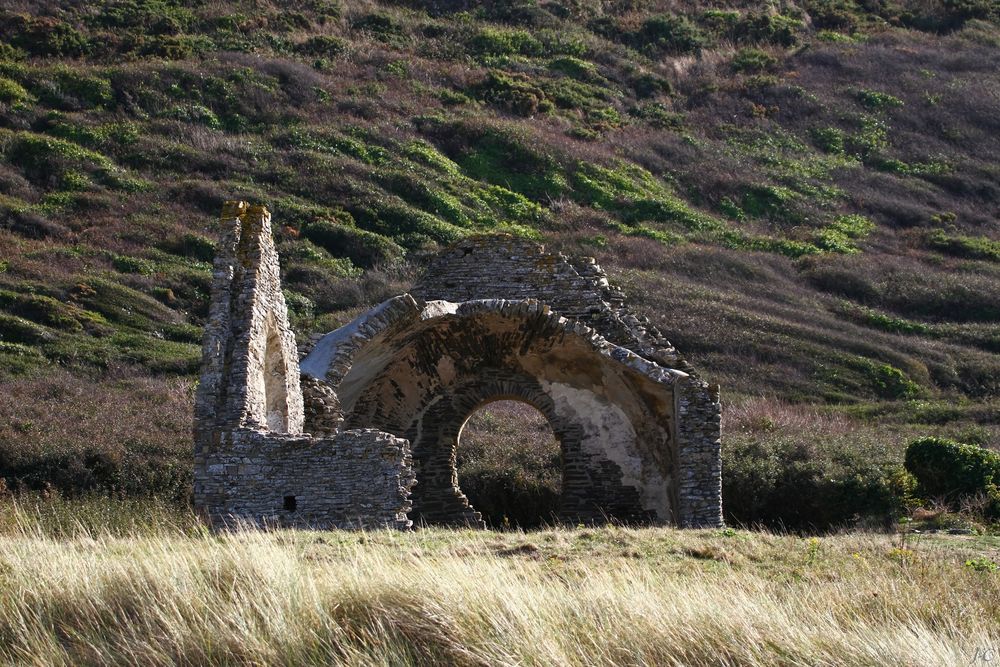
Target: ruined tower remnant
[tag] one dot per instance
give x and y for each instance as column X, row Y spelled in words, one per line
column 252, row 460
column 494, row 317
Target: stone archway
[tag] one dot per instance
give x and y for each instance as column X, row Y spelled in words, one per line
column 419, row 371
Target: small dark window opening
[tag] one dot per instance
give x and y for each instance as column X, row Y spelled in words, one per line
column 290, row 504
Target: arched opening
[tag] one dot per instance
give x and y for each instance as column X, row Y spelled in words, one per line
column 275, row 382
column 612, row 412
column 510, row 465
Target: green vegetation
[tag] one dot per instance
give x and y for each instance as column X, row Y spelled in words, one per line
column 972, row 247
column 952, row 471
column 807, row 211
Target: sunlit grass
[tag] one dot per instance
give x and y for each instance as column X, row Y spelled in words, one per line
column 612, row 596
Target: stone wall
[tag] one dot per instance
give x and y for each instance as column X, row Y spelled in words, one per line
column 419, row 371
column 323, row 415
column 356, row 479
column 250, row 369
column 252, row 461
column 699, row 444
column 501, row 266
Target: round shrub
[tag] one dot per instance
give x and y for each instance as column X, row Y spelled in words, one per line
column 789, row 483
column 952, row 470
column 671, row 34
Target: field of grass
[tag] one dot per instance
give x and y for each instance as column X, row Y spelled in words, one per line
column 84, row 585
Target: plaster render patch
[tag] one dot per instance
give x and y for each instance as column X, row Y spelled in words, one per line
column 609, row 433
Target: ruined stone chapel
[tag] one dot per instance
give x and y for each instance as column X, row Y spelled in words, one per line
column 362, row 431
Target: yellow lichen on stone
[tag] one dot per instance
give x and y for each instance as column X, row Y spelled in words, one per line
column 233, row 209
column 256, row 210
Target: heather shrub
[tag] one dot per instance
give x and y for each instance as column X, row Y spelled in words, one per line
column 125, row 434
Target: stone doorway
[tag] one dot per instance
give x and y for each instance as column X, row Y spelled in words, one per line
column 510, row 465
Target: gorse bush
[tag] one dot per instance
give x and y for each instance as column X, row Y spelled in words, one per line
column 949, row 470
column 513, row 93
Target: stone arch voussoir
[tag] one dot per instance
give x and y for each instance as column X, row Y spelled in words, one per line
column 418, row 371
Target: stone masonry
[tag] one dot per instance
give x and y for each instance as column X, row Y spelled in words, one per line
column 378, row 411
column 253, row 463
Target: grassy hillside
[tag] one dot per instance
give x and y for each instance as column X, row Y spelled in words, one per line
column 804, row 197
column 168, row 594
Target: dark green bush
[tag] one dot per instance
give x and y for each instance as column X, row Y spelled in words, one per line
column 790, row 483
column 658, row 115
column 194, row 246
column 829, row 140
column 888, row 381
column 322, row 45
column 671, row 34
column 44, row 36
column 650, row 85
column 381, row 27
column 19, row 330
column 575, row 68
column 877, row 100
column 511, row 160
column 127, row 264
column 500, row 42
column 972, row 247
column 951, row 470
column 43, row 309
column 157, row 17
column 771, row 28
column 365, row 249
column 515, row 93
column 832, row 15
column 947, row 15
column 753, row 60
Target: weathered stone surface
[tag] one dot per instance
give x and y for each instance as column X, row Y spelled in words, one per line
column 419, row 372
column 250, row 365
column 494, row 318
column 356, row 479
column 498, row 317
column 501, row 266
column 252, row 461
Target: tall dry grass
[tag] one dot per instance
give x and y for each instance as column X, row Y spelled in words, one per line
column 568, row 597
